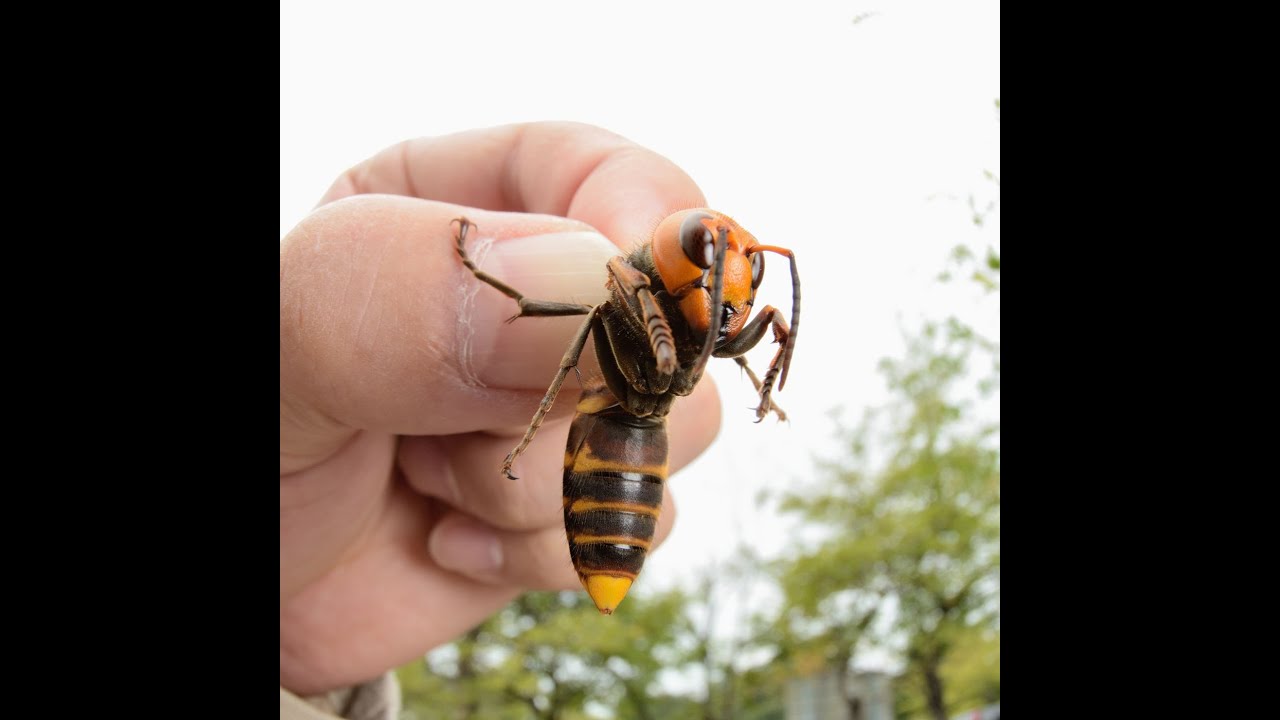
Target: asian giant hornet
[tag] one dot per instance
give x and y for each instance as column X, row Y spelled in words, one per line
column 700, row 270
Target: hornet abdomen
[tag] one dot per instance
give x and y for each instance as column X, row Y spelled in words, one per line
column 614, row 471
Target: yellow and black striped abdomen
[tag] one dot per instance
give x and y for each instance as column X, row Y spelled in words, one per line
column 615, row 468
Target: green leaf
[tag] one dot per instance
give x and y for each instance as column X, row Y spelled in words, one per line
column 984, row 280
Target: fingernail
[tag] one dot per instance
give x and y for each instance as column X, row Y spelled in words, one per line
column 566, row 267
column 465, row 547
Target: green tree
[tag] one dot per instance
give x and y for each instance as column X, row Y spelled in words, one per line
column 552, row 655
column 973, row 669
column 916, row 522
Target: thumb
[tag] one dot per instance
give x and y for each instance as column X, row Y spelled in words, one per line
column 382, row 328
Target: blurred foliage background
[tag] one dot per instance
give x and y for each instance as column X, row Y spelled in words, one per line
column 896, row 556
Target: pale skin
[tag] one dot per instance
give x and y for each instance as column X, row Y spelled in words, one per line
column 400, row 394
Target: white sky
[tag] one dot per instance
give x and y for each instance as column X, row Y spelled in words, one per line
column 855, row 144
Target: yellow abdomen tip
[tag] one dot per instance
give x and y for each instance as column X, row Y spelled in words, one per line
column 606, row 591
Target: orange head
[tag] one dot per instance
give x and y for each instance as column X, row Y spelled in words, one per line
column 684, row 252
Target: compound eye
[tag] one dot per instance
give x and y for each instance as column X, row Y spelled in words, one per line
column 757, row 269
column 698, row 243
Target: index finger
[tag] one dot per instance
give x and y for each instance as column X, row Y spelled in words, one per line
column 555, row 168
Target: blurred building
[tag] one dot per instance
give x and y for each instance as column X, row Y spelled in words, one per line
column 866, row 696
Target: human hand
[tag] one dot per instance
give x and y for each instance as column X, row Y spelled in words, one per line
column 401, row 390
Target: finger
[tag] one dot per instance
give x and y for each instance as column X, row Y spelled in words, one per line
column 383, row 328
column 536, row 559
column 558, row 168
column 381, row 608
column 326, row 512
column 465, row 471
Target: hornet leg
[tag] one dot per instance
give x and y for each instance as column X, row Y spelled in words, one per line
column 528, row 308
column 635, row 285
column 773, row 406
column 532, row 308
column 569, row 361
column 749, row 338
